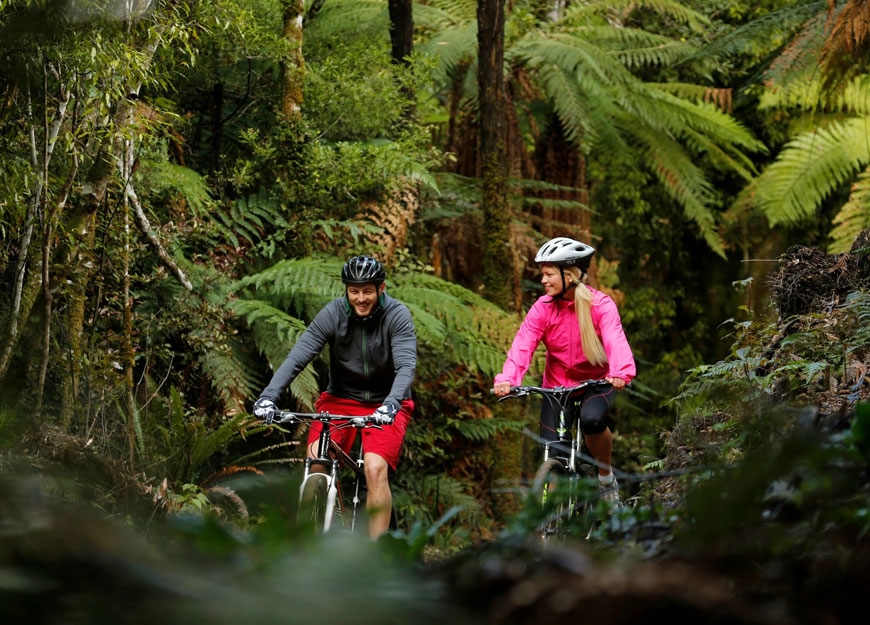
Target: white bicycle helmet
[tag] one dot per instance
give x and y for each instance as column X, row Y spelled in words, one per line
column 565, row 252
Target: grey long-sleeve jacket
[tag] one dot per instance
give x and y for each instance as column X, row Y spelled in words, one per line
column 370, row 359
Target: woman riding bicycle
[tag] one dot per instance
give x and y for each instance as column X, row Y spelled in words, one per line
column 583, row 335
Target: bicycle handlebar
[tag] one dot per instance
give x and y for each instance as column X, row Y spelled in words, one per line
column 287, row 416
column 558, row 391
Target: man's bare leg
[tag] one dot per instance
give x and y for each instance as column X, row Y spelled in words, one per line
column 379, row 501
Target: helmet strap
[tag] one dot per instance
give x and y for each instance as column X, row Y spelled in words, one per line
column 567, row 286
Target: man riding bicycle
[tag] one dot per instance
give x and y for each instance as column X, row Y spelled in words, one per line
column 372, row 364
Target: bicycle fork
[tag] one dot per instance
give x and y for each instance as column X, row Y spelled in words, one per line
column 329, row 475
column 359, row 485
column 569, row 460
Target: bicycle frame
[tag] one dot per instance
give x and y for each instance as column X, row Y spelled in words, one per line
column 315, row 484
column 562, row 456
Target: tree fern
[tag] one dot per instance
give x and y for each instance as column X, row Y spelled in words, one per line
column 603, row 106
column 245, row 220
column 763, row 34
column 452, row 47
column 482, row 430
column 208, row 442
column 450, row 320
column 335, row 17
column 673, row 9
column 808, row 170
column 853, row 217
column 275, row 333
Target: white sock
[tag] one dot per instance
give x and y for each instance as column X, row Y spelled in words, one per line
column 606, row 480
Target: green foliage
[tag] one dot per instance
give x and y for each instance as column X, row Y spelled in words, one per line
column 245, row 220
column 178, row 444
column 11, row 427
column 808, row 170
column 399, row 547
column 591, row 73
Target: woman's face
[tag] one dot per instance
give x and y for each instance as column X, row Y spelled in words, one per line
column 551, row 278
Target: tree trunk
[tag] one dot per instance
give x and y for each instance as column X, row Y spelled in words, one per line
column 401, row 30
column 498, row 275
column 293, row 66
column 560, row 162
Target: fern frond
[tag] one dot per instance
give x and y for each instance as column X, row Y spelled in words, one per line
column 854, row 98
column 683, row 180
column 853, row 217
column 482, row 430
column 245, row 220
column 799, row 60
column 808, row 170
column 633, row 48
column 342, row 17
column 464, row 327
column 300, row 284
column 455, row 11
column 583, row 11
column 275, row 333
column 162, row 175
column 758, row 36
column 858, row 303
column 256, row 457
column 226, row 371
column 451, row 48
column 207, row 444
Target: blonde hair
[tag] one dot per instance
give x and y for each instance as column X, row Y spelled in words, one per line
column 592, row 347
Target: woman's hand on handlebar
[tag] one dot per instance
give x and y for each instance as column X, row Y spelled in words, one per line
column 501, row 389
column 616, row 383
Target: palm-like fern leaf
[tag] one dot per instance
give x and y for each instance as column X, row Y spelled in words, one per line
column 275, row 333
column 760, row 34
column 227, row 371
column 475, row 332
column 164, row 175
column 584, row 11
column 683, row 180
column 302, row 285
column 245, row 220
column 338, row 16
column 854, row 216
column 809, row 169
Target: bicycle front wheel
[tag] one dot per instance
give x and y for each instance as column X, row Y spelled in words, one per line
column 314, row 507
column 552, row 490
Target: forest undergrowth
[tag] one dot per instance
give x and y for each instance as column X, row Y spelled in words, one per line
column 758, row 513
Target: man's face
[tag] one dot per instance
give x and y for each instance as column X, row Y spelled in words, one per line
column 364, row 297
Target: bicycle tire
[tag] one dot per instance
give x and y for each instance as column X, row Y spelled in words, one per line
column 556, row 505
column 313, row 502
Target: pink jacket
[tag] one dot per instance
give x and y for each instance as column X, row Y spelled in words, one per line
column 555, row 323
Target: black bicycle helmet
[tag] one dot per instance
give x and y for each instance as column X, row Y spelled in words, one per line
column 565, row 252
column 363, row 270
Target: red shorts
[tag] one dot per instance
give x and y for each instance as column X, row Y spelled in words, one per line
column 386, row 442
